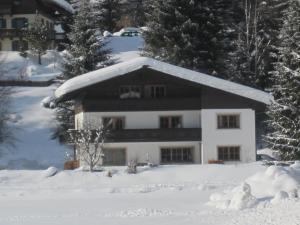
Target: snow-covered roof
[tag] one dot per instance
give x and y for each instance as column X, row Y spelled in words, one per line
column 63, row 4
column 124, row 68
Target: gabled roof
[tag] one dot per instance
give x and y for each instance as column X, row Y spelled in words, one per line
column 124, row 68
column 62, row 4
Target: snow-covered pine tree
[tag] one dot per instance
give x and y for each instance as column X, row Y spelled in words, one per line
column 107, row 14
column 87, row 51
column 250, row 59
column 186, row 33
column 284, row 113
column 136, row 11
column 39, row 36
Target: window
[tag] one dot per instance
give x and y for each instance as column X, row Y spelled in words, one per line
column 176, row 155
column 17, row 2
column 228, row 121
column 155, row 91
column 128, row 91
column 19, row 45
column 19, row 23
column 170, row 122
column 229, row 153
column 2, row 23
column 114, row 123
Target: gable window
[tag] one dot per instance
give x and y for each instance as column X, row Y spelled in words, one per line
column 19, row 23
column 176, row 155
column 229, row 153
column 114, row 123
column 155, row 91
column 2, row 23
column 228, row 121
column 130, row 91
column 170, row 122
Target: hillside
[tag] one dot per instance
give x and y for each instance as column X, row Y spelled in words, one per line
column 34, row 124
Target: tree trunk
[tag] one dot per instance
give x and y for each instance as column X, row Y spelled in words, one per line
column 40, row 58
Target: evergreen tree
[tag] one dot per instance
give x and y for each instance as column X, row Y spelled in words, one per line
column 284, row 113
column 85, row 53
column 39, row 37
column 136, row 11
column 108, row 13
column 186, row 33
column 250, row 59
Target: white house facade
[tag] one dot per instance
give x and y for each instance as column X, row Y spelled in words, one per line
column 163, row 114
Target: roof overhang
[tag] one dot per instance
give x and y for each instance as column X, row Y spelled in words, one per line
column 124, row 68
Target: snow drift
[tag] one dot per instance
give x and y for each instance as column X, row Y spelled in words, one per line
column 273, row 185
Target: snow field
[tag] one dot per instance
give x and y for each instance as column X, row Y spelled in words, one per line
column 161, row 195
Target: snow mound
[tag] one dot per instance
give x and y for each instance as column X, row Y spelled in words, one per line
column 50, row 172
column 296, row 165
column 237, row 199
column 273, row 185
column 279, row 197
column 274, row 180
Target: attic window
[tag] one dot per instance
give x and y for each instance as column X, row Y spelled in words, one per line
column 155, row 91
column 130, row 91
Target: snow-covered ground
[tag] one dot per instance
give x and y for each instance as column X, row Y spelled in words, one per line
column 16, row 67
column 33, row 127
column 125, row 48
column 162, row 195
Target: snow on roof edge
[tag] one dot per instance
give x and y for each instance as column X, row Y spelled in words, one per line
column 123, row 68
column 63, row 4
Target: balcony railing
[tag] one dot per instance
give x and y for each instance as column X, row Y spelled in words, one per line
column 111, row 105
column 154, row 135
column 10, row 33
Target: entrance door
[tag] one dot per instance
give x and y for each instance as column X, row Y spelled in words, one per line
column 114, row 157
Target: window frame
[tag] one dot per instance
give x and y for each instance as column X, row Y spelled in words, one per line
column 169, row 118
column 227, row 154
column 114, row 123
column 3, row 23
column 131, row 89
column 228, row 116
column 155, row 88
column 177, row 152
column 19, row 45
column 14, row 23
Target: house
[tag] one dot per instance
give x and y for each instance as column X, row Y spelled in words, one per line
column 165, row 114
column 17, row 14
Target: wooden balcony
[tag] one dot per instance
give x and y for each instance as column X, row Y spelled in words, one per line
column 10, row 33
column 154, row 135
column 116, row 105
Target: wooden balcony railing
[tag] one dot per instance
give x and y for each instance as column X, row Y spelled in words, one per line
column 154, row 135
column 111, row 105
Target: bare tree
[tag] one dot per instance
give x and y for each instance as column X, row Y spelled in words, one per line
column 89, row 144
